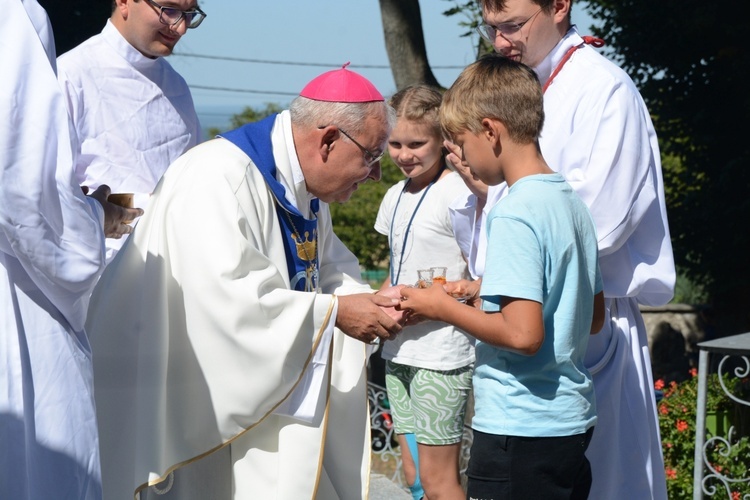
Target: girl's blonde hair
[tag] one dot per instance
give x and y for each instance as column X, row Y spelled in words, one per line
column 419, row 103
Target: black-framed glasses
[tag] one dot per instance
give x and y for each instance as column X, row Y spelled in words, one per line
column 370, row 157
column 489, row 31
column 172, row 17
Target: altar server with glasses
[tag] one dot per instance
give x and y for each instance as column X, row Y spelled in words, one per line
column 133, row 112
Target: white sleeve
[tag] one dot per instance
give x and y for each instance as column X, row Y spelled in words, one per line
column 45, row 220
column 613, row 163
column 611, row 166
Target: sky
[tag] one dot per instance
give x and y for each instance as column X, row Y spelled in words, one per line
column 275, row 47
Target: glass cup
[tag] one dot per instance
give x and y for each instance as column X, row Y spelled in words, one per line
column 438, row 275
column 424, row 278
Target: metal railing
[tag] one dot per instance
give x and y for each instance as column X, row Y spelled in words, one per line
column 708, row 479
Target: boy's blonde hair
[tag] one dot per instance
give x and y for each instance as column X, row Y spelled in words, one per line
column 498, row 88
column 419, row 103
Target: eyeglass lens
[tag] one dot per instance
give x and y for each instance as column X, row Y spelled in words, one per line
column 172, row 16
column 505, row 29
column 370, row 157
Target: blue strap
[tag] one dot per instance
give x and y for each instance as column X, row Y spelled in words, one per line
column 396, row 273
column 417, row 492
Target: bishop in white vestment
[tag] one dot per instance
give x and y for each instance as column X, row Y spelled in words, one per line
column 216, row 362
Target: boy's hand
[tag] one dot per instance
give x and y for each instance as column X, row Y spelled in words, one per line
column 426, row 303
column 393, row 292
column 465, row 290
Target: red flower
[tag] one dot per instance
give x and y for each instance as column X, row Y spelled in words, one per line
column 663, row 409
column 682, row 425
column 693, row 372
column 659, row 385
column 671, row 473
column 736, row 495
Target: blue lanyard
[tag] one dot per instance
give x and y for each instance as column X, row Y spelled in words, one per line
column 395, row 275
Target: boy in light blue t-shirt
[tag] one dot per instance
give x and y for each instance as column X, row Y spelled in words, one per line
column 541, row 295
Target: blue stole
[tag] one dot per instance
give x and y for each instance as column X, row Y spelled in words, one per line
column 254, row 139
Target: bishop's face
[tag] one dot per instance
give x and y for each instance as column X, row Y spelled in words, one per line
column 351, row 161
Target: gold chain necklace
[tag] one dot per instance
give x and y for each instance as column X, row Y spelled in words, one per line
column 304, row 249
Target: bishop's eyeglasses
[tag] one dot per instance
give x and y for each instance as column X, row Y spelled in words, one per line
column 370, row 157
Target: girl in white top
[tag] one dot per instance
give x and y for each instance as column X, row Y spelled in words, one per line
column 429, row 366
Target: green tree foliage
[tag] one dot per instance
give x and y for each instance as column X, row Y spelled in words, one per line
column 248, row 115
column 471, row 11
column 354, row 220
column 726, row 453
column 691, row 63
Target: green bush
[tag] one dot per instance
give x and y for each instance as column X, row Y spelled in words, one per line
column 729, row 457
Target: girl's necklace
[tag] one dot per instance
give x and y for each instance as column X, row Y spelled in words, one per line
column 395, row 275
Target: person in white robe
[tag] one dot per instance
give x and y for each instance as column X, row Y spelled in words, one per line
column 599, row 135
column 51, row 254
column 237, row 370
column 133, row 113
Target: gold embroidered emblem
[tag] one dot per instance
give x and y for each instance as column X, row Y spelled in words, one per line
column 307, row 247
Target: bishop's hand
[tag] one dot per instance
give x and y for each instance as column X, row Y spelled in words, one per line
column 361, row 316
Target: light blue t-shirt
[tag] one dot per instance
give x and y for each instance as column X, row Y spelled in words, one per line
column 541, row 246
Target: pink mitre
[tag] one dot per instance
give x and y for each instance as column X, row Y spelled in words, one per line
column 341, row 85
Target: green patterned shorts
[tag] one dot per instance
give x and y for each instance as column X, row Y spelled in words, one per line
column 429, row 403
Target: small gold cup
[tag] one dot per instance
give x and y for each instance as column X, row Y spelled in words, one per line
column 122, row 199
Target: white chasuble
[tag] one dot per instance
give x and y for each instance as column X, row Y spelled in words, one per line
column 198, row 342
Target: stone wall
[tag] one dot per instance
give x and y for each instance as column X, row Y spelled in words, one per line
column 673, row 332
column 687, row 319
